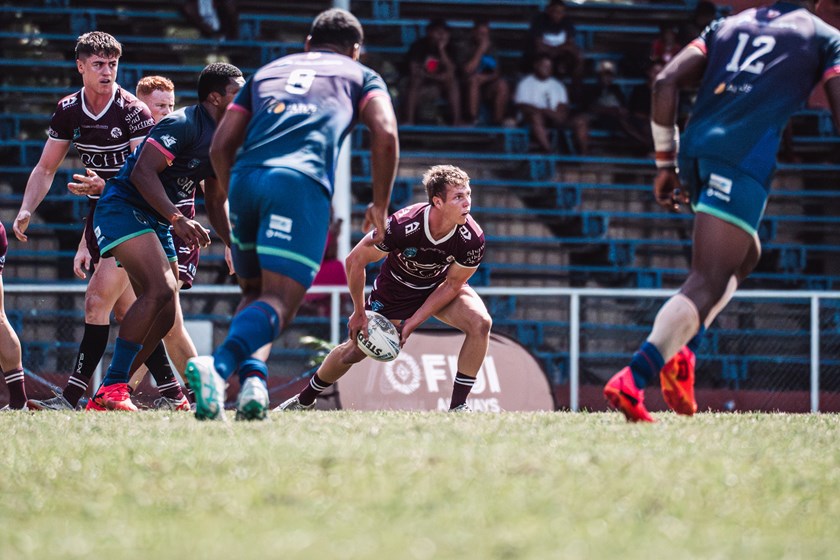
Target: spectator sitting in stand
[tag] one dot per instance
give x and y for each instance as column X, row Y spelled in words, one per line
column 605, row 103
column 483, row 80
column 543, row 101
column 430, row 61
column 552, row 33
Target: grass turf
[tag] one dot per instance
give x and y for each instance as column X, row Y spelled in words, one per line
column 349, row 485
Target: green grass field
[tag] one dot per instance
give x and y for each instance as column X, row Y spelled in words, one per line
column 349, row 485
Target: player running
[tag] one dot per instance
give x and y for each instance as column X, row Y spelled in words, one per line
column 284, row 131
column 431, row 250
column 133, row 218
column 755, row 69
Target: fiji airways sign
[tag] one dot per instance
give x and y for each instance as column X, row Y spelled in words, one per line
column 422, row 375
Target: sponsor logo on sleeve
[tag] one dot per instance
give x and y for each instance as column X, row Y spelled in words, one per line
column 168, row 140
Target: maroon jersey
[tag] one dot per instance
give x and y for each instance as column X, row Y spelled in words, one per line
column 417, row 263
column 103, row 140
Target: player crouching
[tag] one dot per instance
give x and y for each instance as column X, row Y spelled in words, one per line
column 431, row 250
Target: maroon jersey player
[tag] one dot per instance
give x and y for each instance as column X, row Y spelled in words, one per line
column 430, row 251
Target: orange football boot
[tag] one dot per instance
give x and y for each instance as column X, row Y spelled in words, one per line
column 677, row 381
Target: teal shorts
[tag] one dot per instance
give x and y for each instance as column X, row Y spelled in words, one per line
column 725, row 191
column 116, row 221
column 279, row 219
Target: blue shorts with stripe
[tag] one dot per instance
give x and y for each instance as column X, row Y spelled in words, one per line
column 725, row 191
column 116, row 221
column 279, row 219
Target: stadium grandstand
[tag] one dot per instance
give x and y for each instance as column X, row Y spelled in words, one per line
column 561, row 219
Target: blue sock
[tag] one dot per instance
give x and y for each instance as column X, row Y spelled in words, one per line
column 124, row 354
column 646, row 363
column 252, row 328
column 253, row 367
column 697, row 340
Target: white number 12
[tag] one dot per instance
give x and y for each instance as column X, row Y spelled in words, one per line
column 763, row 43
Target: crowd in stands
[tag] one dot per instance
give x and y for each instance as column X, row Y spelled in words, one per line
column 458, row 79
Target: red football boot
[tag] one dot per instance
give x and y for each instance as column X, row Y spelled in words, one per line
column 677, row 381
column 114, row 397
column 622, row 394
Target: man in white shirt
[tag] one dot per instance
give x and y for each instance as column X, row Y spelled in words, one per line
column 543, row 101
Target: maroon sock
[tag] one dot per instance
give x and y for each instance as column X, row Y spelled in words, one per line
column 91, row 349
column 17, row 390
column 461, row 389
column 316, row 387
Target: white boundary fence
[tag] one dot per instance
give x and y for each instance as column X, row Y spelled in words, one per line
column 572, row 295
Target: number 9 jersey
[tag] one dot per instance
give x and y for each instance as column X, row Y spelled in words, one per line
column 762, row 65
column 302, row 106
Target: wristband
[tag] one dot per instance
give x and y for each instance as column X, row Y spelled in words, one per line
column 175, row 216
column 666, row 142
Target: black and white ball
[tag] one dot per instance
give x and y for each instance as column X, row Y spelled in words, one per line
column 383, row 340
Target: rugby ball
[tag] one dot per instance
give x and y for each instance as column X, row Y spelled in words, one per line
column 383, row 341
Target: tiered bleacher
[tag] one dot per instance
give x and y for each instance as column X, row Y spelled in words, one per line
column 550, row 220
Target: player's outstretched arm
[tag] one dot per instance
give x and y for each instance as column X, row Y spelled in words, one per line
column 364, row 253
column 39, row 183
column 378, row 115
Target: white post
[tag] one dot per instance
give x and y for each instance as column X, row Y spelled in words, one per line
column 574, row 352
column 815, row 353
column 341, row 198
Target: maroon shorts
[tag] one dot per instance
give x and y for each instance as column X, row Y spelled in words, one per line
column 90, row 237
column 394, row 299
column 4, row 246
column 187, row 262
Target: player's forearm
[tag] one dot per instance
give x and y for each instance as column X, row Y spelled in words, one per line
column 442, row 296
column 385, row 156
column 37, row 187
column 356, row 277
column 217, row 213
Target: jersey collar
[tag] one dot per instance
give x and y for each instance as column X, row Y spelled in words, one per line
column 105, row 110
column 428, row 230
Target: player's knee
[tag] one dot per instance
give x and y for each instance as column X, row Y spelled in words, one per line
column 479, row 325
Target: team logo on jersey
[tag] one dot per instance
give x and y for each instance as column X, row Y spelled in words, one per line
column 465, row 233
column 168, row 140
column 76, row 133
column 194, row 163
column 116, row 132
column 412, row 227
column 376, row 305
column 719, row 187
column 410, row 253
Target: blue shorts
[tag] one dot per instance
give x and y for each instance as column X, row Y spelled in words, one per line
column 725, row 191
column 116, row 221
column 279, row 220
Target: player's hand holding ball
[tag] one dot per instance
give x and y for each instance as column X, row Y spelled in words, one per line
column 382, row 342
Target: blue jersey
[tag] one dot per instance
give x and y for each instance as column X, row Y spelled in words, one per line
column 183, row 137
column 762, row 65
column 301, row 107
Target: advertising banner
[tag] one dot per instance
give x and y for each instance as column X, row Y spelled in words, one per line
column 421, row 377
